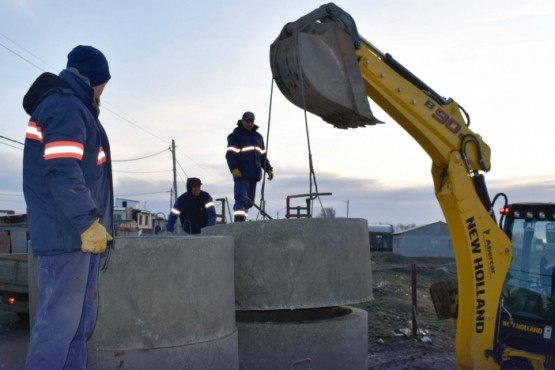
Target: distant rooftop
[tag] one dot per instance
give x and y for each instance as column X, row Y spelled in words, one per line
column 380, row 228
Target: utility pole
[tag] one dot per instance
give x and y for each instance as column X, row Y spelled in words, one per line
column 174, row 172
column 171, row 198
column 347, row 209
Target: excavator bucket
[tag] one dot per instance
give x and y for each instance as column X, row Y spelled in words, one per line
column 314, row 65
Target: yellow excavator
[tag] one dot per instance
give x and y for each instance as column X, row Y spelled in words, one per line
column 504, row 308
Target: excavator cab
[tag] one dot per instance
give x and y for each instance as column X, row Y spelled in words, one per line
column 527, row 308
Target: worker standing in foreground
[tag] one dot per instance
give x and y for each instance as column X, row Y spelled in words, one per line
column 67, row 183
column 246, row 158
column 195, row 209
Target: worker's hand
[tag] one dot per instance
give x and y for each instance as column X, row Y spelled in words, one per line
column 95, row 238
column 168, row 233
column 236, row 173
column 270, row 175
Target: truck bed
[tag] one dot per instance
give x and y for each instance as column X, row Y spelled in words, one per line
column 14, row 282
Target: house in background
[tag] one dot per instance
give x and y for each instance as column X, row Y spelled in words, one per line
column 14, row 234
column 432, row 240
column 130, row 220
column 380, row 237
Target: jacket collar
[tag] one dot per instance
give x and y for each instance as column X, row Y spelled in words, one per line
column 242, row 128
column 80, row 85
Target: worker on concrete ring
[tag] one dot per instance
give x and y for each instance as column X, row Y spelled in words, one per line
column 195, row 209
column 246, row 158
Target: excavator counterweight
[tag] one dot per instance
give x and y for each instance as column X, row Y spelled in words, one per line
column 314, row 64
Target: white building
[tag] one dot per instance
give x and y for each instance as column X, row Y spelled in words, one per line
column 432, row 240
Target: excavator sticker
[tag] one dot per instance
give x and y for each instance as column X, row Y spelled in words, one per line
column 547, row 332
column 528, row 328
column 479, row 275
column 450, row 123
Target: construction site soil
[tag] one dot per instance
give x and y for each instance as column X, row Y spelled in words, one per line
column 391, row 341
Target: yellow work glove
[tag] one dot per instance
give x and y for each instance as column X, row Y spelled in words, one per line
column 270, row 175
column 236, row 173
column 95, row 238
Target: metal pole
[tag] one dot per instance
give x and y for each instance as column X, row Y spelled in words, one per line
column 174, row 171
column 171, row 199
column 414, row 307
column 347, row 208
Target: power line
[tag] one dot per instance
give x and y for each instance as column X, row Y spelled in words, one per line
column 110, row 108
column 130, row 195
column 137, row 159
column 182, row 179
column 141, row 171
column 27, row 50
column 22, row 57
column 15, row 141
column 12, row 146
column 43, row 70
column 191, row 159
column 179, row 164
column 11, row 195
column 131, row 122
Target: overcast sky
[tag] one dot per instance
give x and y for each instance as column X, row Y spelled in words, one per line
column 187, row 70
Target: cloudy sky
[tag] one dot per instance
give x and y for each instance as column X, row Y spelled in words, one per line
column 186, row 71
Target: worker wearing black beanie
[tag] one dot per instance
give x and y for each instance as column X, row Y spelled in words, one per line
column 91, row 63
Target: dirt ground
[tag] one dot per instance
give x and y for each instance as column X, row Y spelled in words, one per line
column 391, row 345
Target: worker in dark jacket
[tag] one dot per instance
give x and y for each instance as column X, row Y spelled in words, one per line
column 195, row 209
column 246, row 159
column 67, row 183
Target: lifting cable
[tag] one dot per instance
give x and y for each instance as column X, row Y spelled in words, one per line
column 262, row 200
column 312, row 174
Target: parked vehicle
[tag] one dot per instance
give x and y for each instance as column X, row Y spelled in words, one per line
column 14, row 290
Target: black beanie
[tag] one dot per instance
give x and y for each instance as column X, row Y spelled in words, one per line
column 193, row 181
column 91, row 63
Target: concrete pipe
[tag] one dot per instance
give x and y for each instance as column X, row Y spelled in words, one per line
column 166, row 302
column 300, row 263
column 324, row 339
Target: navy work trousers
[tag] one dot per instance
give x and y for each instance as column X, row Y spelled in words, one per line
column 66, row 311
column 242, row 189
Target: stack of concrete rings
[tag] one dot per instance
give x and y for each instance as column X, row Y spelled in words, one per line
column 293, row 280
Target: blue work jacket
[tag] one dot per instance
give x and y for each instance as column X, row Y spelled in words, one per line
column 67, row 175
column 194, row 213
column 246, row 151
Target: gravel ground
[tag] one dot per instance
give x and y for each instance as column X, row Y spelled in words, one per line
column 391, row 345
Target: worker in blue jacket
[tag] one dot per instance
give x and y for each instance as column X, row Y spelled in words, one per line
column 67, row 183
column 246, row 159
column 195, row 209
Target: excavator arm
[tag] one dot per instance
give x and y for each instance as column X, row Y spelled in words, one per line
column 321, row 64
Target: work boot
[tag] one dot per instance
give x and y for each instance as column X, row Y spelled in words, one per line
column 239, row 219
